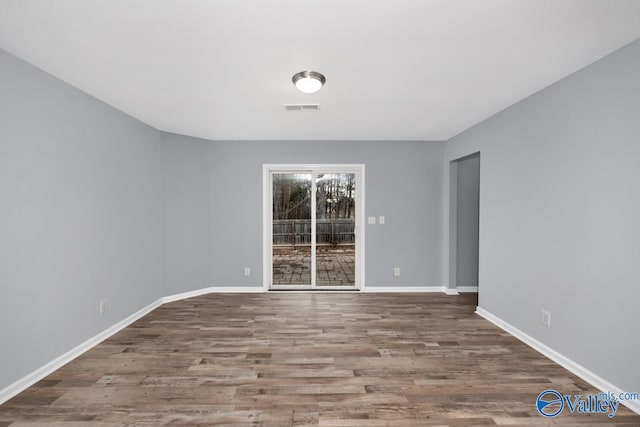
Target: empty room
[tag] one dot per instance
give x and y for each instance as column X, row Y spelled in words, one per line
column 319, row 213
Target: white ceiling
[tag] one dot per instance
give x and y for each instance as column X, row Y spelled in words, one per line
column 395, row 69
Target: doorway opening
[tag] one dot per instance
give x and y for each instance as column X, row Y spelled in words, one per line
column 312, row 223
column 464, row 223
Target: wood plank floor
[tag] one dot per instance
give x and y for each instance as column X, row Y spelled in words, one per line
column 305, row 360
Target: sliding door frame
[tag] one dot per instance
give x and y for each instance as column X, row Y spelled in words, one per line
column 267, row 221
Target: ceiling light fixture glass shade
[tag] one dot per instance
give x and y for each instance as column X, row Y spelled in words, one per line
column 308, row 81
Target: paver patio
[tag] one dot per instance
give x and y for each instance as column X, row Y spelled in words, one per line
column 335, row 266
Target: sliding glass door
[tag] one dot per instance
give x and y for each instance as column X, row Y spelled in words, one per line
column 335, row 229
column 291, row 249
column 314, row 223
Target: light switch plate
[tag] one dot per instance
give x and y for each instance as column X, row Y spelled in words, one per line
column 372, row 220
column 381, row 220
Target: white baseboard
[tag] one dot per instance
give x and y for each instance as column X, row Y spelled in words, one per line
column 373, row 289
column 212, row 290
column 571, row 366
column 35, row 376
column 461, row 290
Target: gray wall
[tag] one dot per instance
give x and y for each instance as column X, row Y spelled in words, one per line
column 559, row 215
column 467, row 194
column 213, row 208
column 80, row 217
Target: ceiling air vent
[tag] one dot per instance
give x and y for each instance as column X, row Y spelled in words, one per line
column 301, row 107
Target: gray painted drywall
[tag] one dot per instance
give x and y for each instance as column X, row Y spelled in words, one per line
column 467, row 194
column 559, row 215
column 80, row 217
column 213, row 208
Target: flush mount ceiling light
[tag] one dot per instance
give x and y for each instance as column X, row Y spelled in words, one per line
column 308, row 81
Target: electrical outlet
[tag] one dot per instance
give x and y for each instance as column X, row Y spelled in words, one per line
column 247, row 271
column 381, row 220
column 103, row 306
column 546, row 318
column 396, row 271
column 372, row 220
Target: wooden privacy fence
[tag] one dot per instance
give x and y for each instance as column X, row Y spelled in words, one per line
column 328, row 232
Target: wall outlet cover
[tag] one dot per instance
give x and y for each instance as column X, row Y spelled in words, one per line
column 546, row 318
